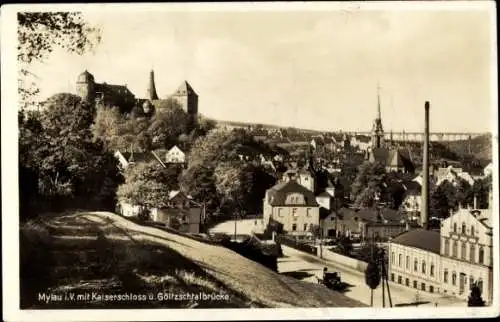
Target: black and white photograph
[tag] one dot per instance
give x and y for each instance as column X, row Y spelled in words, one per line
column 176, row 160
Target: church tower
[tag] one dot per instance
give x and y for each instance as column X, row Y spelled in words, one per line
column 151, row 92
column 377, row 130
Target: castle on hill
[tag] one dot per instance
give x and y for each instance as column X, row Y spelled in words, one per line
column 122, row 97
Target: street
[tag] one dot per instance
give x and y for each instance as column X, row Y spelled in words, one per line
column 308, row 267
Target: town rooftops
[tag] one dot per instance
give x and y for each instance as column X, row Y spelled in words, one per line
column 387, row 216
column 428, row 240
column 279, row 192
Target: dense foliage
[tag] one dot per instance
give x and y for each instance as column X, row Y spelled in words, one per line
column 59, row 160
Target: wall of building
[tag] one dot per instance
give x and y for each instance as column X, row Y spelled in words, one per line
column 460, row 252
column 402, row 268
column 300, row 217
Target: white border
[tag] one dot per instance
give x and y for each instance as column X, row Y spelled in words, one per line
column 10, row 175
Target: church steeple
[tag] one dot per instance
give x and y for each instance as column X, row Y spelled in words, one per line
column 151, row 92
column 377, row 130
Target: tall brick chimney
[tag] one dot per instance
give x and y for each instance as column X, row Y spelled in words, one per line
column 424, row 216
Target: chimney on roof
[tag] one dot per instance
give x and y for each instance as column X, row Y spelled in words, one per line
column 425, row 181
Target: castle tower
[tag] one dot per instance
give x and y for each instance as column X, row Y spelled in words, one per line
column 151, row 91
column 377, row 130
column 85, row 86
column 187, row 98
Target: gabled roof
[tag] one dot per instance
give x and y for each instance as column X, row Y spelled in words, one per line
column 370, row 215
column 185, row 89
column 428, row 240
column 280, row 191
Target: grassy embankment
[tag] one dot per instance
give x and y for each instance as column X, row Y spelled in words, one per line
column 103, row 253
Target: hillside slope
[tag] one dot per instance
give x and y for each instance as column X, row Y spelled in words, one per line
column 143, row 259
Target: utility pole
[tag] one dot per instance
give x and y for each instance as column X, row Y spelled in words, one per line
column 385, row 279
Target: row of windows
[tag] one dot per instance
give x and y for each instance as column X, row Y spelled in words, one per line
column 415, row 283
column 294, row 227
column 423, row 265
column 295, row 212
column 463, row 251
column 454, row 279
column 464, row 229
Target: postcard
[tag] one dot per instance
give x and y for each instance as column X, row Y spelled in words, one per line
column 268, row 160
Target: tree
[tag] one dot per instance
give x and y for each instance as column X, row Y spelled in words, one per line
column 368, row 184
column 168, row 123
column 39, row 34
column 148, row 184
column 475, row 299
column 57, row 150
column 372, row 277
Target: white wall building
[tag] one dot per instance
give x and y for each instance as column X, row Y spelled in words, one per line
column 175, row 155
column 414, row 260
column 467, row 253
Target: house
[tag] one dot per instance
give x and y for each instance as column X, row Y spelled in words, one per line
column 175, row 155
column 362, row 142
column 467, row 253
column 488, row 170
column 365, row 224
column 414, row 260
column 452, row 175
column 126, row 159
column 303, row 176
column 181, row 213
column 293, row 205
column 394, row 160
column 328, row 222
column 412, row 201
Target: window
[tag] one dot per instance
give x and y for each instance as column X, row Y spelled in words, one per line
column 415, row 265
column 472, row 231
column 400, row 279
column 414, row 284
column 464, row 228
column 392, row 277
column 422, row 286
column 454, row 278
column 279, row 212
column 431, row 288
column 463, row 251
column 472, row 253
column 432, row 270
column 407, row 282
column 308, row 212
column 294, row 227
column 305, row 227
column 455, row 249
column 423, row 267
column 400, row 260
column 481, row 255
column 471, row 282
column 392, row 258
column 455, row 227
column 446, row 247
column 445, row 277
column 407, row 262
column 294, row 213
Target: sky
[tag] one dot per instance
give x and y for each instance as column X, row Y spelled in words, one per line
column 310, row 69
